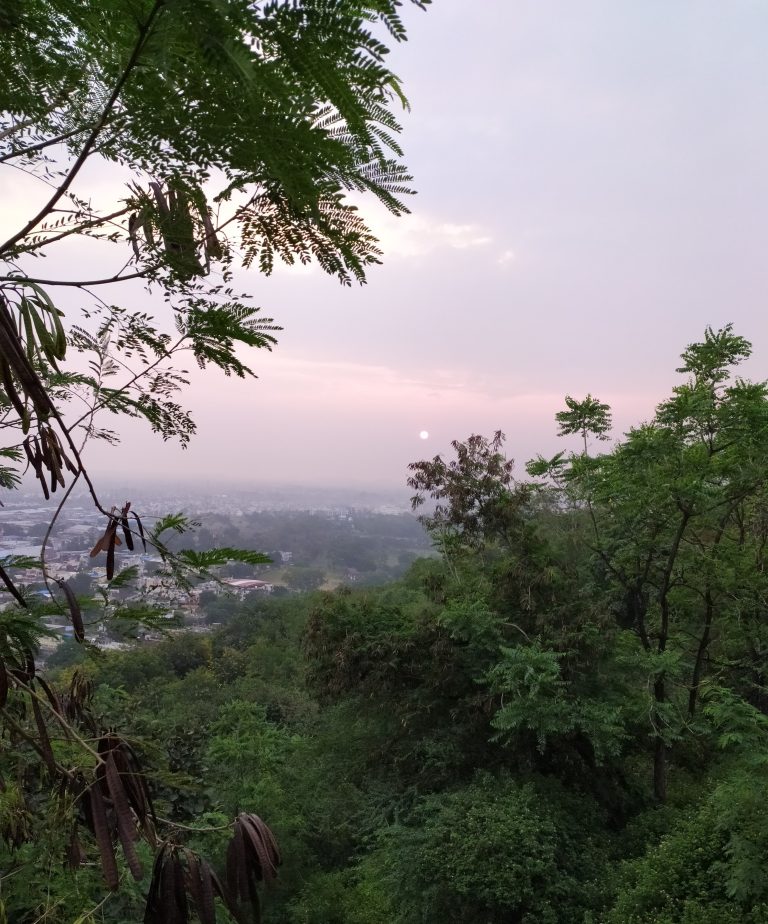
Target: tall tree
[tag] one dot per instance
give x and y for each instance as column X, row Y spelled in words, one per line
column 677, row 513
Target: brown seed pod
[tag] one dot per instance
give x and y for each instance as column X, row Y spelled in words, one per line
column 126, row 528
column 126, row 826
column 75, row 613
column 141, row 530
column 252, row 857
column 44, row 740
column 4, row 685
column 98, row 815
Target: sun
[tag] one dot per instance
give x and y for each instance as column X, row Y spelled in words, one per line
column 424, row 435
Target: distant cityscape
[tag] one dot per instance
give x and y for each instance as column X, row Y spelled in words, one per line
column 315, row 538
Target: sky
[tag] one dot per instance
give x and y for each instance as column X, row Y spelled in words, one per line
column 592, row 193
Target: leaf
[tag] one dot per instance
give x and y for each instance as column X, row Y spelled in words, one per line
column 124, row 577
column 178, row 522
column 211, row 558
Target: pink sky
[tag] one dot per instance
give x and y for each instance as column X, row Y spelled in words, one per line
column 592, row 193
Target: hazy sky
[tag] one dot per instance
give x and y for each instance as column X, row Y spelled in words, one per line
column 593, row 191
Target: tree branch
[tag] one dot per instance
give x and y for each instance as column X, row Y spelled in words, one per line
column 79, row 283
column 144, row 31
column 76, row 229
column 21, row 152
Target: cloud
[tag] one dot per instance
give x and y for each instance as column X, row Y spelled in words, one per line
column 460, row 237
column 507, row 256
column 419, row 234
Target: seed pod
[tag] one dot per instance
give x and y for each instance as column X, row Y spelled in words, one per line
column 126, row 829
column 4, row 685
column 133, row 223
column 141, row 530
column 4, row 577
column 126, row 528
column 45, row 741
column 103, row 837
column 75, row 613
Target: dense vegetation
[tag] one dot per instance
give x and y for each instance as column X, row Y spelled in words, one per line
column 560, row 719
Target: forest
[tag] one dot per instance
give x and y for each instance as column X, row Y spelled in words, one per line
column 560, row 718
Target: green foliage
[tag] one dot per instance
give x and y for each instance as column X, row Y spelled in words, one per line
column 534, row 697
column 561, row 719
column 474, row 493
column 709, row 868
column 587, row 417
column 304, row 579
column 676, row 516
column 212, row 558
column 496, row 850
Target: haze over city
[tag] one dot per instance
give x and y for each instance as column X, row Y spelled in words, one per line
column 591, row 194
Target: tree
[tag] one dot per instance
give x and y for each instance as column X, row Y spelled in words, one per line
column 678, row 521
column 244, row 127
column 239, row 131
column 303, row 578
column 585, row 417
column 475, row 497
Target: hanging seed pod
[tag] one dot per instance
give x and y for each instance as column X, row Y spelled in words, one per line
column 98, row 816
column 126, row 528
column 179, row 874
column 52, row 698
column 252, row 857
column 108, row 540
column 213, row 248
column 141, row 530
column 43, row 738
column 132, row 779
column 11, row 587
column 74, row 854
column 4, row 685
column 75, row 613
column 133, row 223
column 126, row 827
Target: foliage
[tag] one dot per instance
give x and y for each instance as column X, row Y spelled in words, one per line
column 496, row 850
column 560, row 719
column 228, row 131
column 472, row 492
column 709, row 867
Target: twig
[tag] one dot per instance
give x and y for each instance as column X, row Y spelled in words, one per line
column 75, row 229
column 79, row 283
column 144, row 31
column 204, row 830
column 41, row 145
